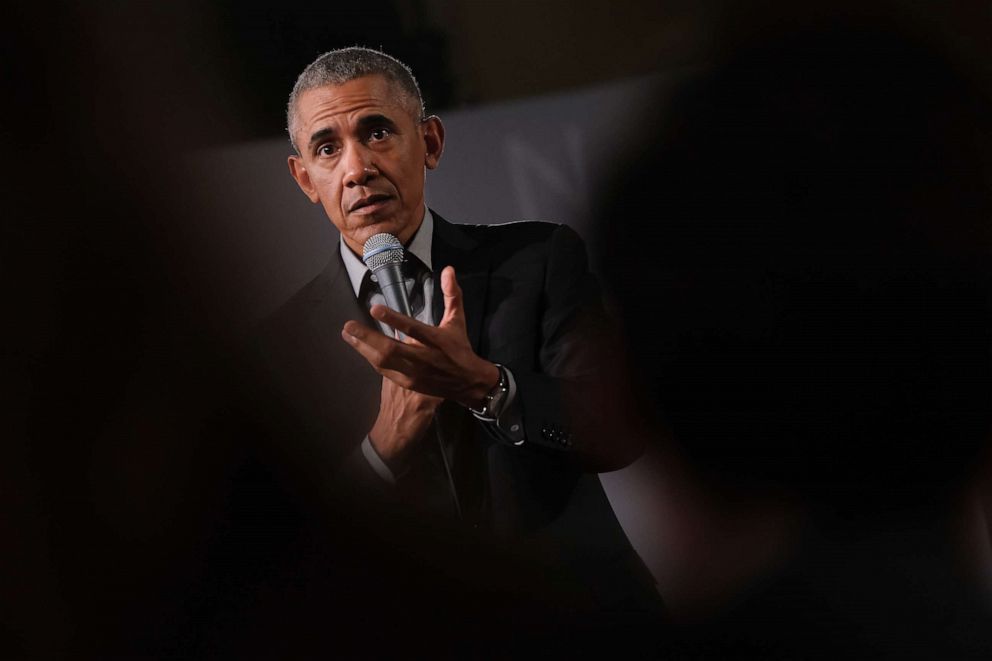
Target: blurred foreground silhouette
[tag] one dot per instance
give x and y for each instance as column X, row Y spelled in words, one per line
column 800, row 247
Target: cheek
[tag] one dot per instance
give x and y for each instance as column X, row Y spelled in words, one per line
column 329, row 187
column 413, row 179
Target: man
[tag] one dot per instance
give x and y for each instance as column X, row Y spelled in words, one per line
column 490, row 415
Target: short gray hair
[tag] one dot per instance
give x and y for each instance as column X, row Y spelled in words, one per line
column 339, row 66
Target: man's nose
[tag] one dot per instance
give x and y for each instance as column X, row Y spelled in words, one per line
column 359, row 167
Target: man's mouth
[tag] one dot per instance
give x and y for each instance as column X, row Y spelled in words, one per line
column 370, row 203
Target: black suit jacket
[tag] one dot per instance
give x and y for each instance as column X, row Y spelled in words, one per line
column 531, row 304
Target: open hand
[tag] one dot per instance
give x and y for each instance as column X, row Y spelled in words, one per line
column 437, row 361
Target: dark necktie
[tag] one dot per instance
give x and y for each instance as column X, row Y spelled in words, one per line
column 415, row 274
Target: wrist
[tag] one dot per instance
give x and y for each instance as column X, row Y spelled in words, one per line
column 490, row 404
column 482, row 383
column 393, row 453
column 390, row 441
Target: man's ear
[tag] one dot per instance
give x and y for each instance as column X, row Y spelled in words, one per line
column 434, row 140
column 302, row 177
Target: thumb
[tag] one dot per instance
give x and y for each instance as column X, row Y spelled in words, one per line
column 454, row 311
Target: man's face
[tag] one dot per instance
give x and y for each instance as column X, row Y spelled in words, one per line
column 363, row 156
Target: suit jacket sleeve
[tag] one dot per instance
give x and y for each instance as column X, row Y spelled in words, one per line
column 563, row 387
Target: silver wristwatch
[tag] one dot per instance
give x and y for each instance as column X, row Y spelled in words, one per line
column 493, row 402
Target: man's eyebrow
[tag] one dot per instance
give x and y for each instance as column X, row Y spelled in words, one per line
column 375, row 120
column 319, row 136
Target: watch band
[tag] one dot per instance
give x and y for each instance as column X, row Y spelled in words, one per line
column 494, row 398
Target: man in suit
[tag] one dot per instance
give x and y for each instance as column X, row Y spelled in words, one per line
column 487, row 423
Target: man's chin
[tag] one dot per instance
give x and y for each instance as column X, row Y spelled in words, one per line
column 358, row 237
column 383, row 225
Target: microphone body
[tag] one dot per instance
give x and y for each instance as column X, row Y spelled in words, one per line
column 383, row 254
column 390, row 279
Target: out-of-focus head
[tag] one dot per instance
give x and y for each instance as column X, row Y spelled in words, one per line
column 355, row 117
column 811, row 226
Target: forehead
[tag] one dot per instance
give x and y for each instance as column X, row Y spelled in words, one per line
column 349, row 101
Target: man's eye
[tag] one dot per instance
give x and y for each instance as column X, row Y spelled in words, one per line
column 326, row 150
column 379, row 134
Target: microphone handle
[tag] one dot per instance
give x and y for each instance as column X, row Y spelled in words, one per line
column 390, row 279
column 396, row 298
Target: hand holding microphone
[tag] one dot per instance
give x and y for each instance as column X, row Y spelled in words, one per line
column 441, row 361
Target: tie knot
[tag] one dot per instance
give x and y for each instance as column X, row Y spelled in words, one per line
column 414, row 268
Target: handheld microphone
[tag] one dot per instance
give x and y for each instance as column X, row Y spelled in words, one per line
column 383, row 254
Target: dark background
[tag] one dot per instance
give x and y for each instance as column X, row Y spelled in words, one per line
column 471, row 53
column 246, row 55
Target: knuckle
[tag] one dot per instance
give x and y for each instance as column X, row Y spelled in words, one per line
column 379, row 360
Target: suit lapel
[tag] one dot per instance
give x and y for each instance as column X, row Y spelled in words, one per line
column 451, row 246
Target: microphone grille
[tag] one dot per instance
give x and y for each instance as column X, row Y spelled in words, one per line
column 382, row 249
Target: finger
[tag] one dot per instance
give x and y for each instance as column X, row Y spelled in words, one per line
column 381, row 352
column 418, row 331
column 355, row 330
column 452, row 292
column 399, row 378
column 391, row 358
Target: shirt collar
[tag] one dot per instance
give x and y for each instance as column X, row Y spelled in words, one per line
column 420, row 246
